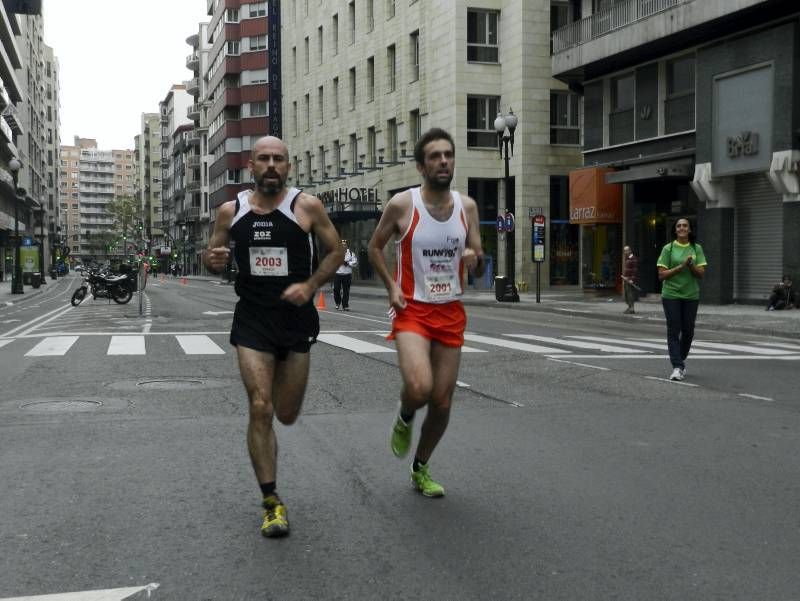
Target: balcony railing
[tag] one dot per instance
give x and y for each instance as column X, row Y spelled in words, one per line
column 192, row 60
column 193, row 186
column 193, row 112
column 193, row 161
column 610, row 19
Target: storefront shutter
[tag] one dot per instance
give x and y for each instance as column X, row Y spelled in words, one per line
column 758, row 247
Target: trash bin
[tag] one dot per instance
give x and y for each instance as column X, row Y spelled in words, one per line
column 36, row 279
column 504, row 290
column 54, row 274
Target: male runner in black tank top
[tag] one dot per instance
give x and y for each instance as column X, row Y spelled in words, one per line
column 275, row 321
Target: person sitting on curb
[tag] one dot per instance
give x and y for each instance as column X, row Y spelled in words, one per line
column 783, row 295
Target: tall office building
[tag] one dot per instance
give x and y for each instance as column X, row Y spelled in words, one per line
column 148, row 173
column 690, row 110
column 362, row 79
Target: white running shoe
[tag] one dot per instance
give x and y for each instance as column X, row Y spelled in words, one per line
column 683, row 373
column 677, row 374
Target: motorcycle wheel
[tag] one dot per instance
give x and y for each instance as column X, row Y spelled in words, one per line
column 121, row 295
column 78, row 296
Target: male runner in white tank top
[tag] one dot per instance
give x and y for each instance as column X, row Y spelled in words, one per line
column 275, row 321
column 437, row 236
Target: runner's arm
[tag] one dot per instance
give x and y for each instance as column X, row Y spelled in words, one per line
column 388, row 226
column 216, row 256
column 473, row 243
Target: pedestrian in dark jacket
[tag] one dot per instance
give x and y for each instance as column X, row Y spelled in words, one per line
column 783, row 295
column 630, row 278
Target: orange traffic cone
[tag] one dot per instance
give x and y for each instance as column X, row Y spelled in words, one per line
column 321, row 302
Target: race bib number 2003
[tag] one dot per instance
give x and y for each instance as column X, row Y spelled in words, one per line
column 268, row 261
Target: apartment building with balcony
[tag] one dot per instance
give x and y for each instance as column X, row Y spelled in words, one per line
column 147, row 174
column 52, row 150
column 197, row 215
column 362, row 79
column 237, row 93
column 690, row 108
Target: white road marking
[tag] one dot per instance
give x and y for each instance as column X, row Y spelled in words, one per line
column 756, row 397
column 463, row 384
column 740, row 348
column 668, row 381
column 608, row 348
column 5, row 342
column 109, row 594
column 217, row 312
column 353, row 344
column 10, row 320
column 654, row 345
column 786, row 345
column 55, row 313
column 693, row 356
column 52, row 346
column 580, row 364
column 199, row 345
column 510, row 344
column 126, row 345
column 464, row 349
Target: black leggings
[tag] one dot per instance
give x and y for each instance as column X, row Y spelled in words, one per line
column 680, row 315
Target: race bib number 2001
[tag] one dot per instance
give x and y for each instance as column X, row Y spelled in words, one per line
column 440, row 287
column 268, row 261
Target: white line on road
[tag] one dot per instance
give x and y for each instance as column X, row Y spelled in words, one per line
column 5, row 342
column 756, row 397
column 126, row 345
column 58, row 311
column 668, row 381
column 793, row 347
column 199, row 345
column 693, row 357
column 600, row 346
column 580, row 364
column 510, row 344
column 353, row 344
column 52, row 346
column 654, row 345
column 109, row 594
column 463, row 384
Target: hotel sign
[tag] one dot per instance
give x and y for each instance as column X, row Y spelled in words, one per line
column 345, row 197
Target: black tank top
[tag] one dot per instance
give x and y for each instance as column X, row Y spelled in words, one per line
column 272, row 251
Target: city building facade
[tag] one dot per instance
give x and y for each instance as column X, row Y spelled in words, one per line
column 361, row 80
column 689, row 110
column 147, row 174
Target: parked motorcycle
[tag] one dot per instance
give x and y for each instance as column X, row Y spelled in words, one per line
column 118, row 288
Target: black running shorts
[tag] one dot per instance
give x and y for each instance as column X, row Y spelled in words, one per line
column 275, row 330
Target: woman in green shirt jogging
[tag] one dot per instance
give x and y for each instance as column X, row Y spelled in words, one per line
column 681, row 266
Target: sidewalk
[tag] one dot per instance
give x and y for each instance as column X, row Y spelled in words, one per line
column 752, row 319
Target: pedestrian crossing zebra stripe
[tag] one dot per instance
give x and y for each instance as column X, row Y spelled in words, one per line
column 510, row 344
column 199, row 345
column 52, row 346
column 5, row 342
column 608, row 348
column 126, row 345
column 353, row 344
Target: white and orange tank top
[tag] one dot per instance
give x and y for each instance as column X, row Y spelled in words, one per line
column 429, row 267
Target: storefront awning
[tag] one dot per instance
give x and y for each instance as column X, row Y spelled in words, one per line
column 591, row 199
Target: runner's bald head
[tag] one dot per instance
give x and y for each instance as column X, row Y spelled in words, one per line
column 271, row 142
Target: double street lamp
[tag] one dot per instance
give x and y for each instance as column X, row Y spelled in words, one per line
column 505, row 126
column 16, row 278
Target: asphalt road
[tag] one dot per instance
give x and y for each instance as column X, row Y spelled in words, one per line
column 572, row 472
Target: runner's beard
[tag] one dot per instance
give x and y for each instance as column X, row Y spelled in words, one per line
column 269, row 187
column 439, row 185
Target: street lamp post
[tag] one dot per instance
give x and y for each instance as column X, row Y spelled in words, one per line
column 505, row 126
column 183, row 248
column 16, row 277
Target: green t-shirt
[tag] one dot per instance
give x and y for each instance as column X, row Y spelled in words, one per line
column 683, row 285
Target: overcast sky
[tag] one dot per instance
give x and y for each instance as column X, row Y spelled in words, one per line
column 118, row 59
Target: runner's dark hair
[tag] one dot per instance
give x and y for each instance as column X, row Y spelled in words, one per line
column 429, row 136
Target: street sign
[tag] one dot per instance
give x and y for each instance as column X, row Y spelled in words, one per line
column 538, row 226
column 509, row 221
column 501, row 224
column 533, row 211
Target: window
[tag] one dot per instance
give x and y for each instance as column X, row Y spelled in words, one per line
column 256, row 109
column 337, row 159
column 309, row 179
column 564, row 125
column 257, row 42
column 414, row 128
column 335, row 34
column 413, row 44
column 232, row 15
column 351, row 14
column 294, row 62
column 389, row 9
column 679, row 103
column 482, row 43
column 370, row 79
column 352, row 88
column 371, row 147
column 391, row 140
column 354, row 151
column 481, row 111
column 391, row 68
column 307, row 111
column 335, row 97
column 319, row 44
column 370, row 15
column 321, row 104
column 258, row 9
column 308, row 49
column 321, row 173
column 620, row 118
column 232, row 48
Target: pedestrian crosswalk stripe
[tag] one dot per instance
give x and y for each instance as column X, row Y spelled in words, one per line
column 608, row 348
column 199, row 345
column 740, row 348
column 5, row 342
column 52, row 346
column 661, row 346
column 126, row 345
column 464, row 349
column 511, row 344
column 786, row 345
column 353, row 344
